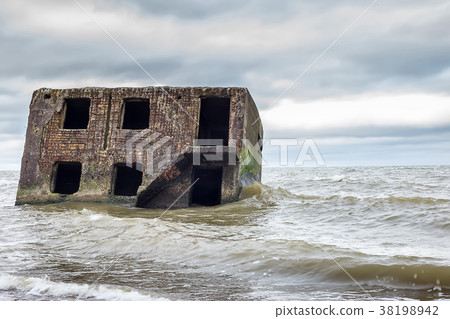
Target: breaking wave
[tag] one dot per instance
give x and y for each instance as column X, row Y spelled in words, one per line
column 43, row 287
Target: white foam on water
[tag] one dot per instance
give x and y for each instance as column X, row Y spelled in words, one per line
column 338, row 178
column 95, row 216
column 45, row 287
column 334, row 178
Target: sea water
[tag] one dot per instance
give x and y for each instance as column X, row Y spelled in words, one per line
column 353, row 233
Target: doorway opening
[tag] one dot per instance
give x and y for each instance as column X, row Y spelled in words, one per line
column 126, row 180
column 66, row 177
column 214, row 119
column 207, row 190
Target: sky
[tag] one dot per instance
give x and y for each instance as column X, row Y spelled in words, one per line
column 376, row 93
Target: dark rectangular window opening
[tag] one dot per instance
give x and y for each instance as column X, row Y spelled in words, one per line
column 76, row 113
column 214, row 119
column 136, row 114
column 207, row 191
column 126, row 180
column 66, row 177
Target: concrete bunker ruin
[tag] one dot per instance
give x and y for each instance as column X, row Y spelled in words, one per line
column 153, row 147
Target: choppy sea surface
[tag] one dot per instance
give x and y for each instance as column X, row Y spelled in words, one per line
column 356, row 233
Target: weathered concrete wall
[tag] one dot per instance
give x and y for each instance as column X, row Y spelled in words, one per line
column 250, row 159
column 174, row 112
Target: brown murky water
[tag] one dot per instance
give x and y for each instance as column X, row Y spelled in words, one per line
column 388, row 227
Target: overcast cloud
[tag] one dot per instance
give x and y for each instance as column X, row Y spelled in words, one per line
column 379, row 96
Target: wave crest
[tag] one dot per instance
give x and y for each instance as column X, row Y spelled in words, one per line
column 42, row 287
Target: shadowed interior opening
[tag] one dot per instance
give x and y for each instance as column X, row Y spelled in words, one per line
column 214, row 119
column 76, row 114
column 66, row 177
column 136, row 114
column 207, row 190
column 126, row 180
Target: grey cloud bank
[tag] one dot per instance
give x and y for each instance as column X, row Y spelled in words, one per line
column 398, row 47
